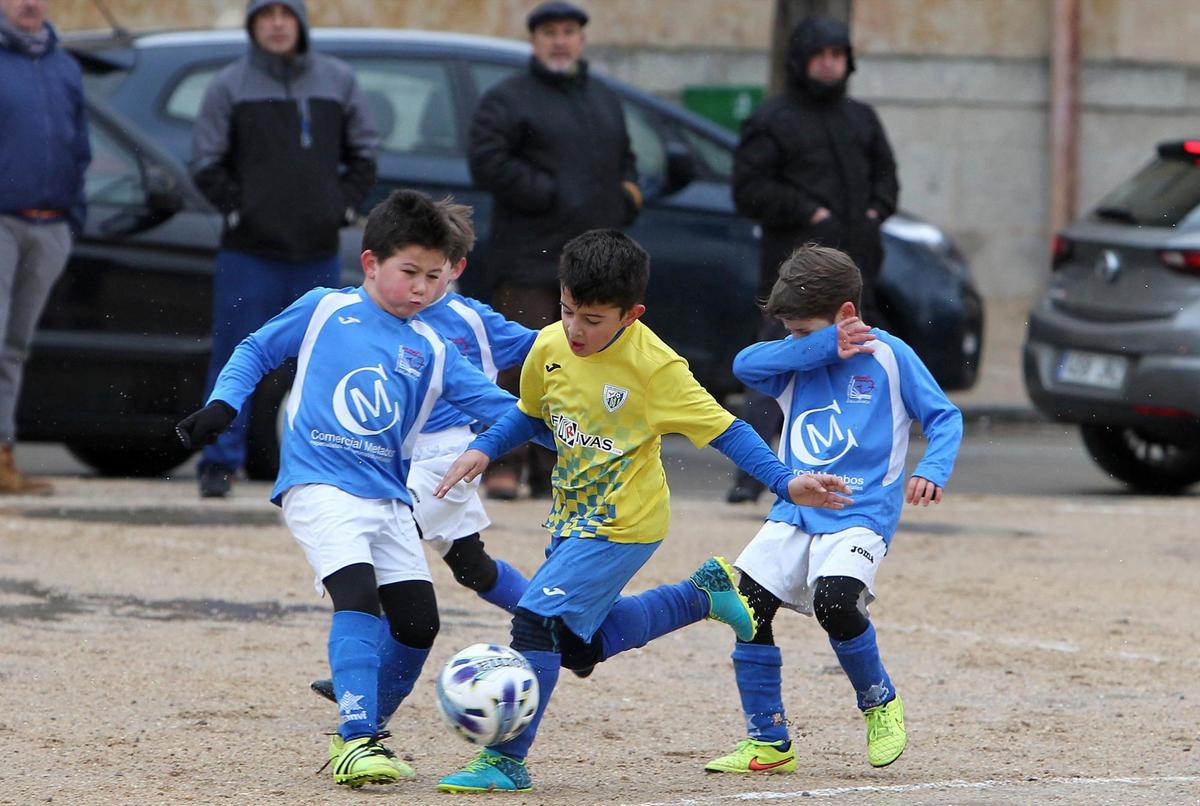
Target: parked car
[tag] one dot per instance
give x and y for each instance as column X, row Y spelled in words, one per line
column 1114, row 344
column 155, row 263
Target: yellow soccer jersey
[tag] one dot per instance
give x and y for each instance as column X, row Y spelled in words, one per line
column 607, row 412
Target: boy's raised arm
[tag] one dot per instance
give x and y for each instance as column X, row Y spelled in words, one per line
column 767, row 366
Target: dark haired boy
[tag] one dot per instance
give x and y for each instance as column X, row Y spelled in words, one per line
column 368, row 375
column 849, row 395
column 451, row 525
column 607, row 388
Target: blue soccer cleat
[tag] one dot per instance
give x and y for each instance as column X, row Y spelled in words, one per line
column 726, row 603
column 489, row 772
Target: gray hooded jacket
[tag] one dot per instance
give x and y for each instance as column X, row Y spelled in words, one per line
column 284, row 147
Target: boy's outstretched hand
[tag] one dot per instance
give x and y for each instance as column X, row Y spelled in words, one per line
column 852, row 337
column 922, row 491
column 465, row 468
column 819, row 490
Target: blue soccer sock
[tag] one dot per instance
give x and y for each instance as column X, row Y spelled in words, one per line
column 545, row 667
column 860, row 661
column 354, row 661
column 510, row 585
column 399, row 667
column 635, row 621
column 758, row 671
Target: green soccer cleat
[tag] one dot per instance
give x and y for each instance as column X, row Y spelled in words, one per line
column 726, row 603
column 489, row 771
column 886, row 736
column 755, row 756
column 365, row 760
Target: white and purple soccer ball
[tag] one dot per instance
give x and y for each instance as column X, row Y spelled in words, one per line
column 487, row 693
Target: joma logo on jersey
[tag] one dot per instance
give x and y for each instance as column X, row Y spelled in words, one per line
column 568, row 433
column 809, row 442
column 361, row 403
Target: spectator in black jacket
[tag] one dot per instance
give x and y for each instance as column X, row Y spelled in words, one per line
column 550, row 145
column 284, row 148
column 813, row 165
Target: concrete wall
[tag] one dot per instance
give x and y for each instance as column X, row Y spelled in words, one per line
column 962, row 87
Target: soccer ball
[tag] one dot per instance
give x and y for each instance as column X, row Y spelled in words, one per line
column 487, row 693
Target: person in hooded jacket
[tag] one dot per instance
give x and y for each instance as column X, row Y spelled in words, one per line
column 812, row 165
column 550, row 145
column 285, row 149
column 44, row 151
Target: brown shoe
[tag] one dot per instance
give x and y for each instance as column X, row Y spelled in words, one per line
column 14, row 482
column 501, row 486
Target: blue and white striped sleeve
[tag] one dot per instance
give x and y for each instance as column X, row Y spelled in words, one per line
column 510, row 341
column 941, row 421
column 264, row 350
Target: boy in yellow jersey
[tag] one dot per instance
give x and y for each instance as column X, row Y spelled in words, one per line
column 607, row 388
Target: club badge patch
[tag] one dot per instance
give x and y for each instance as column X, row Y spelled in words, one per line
column 614, row 397
column 861, row 389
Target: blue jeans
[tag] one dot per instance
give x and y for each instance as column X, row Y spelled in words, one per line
column 247, row 291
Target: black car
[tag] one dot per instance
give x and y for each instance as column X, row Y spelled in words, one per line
column 128, row 328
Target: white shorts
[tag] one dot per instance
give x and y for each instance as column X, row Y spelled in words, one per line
column 460, row 513
column 788, row 561
column 337, row 529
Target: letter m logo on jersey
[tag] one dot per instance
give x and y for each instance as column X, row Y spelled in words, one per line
column 361, row 403
column 813, row 437
column 614, row 397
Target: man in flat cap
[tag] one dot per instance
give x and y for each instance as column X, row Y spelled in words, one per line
column 550, row 145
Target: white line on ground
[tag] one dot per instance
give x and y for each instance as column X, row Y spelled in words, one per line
column 831, row 792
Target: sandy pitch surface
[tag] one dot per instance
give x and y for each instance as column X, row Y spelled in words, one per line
column 155, row 649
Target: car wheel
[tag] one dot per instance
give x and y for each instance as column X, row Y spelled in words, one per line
column 1145, row 463
column 266, row 425
column 140, row 460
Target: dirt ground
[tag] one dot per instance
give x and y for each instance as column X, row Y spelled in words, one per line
column 155, row 649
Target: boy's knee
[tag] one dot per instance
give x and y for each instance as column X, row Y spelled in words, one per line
column 765, row 605
column 836, row 604
column 534, row 633
column 471, row 565
column 412, row 612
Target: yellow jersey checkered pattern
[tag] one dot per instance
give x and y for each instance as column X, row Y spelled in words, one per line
column 608, row 412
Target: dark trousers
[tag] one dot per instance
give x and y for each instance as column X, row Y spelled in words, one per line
column 534, row 307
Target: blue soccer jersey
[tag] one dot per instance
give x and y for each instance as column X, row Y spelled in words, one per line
column 366, row 382
column 851, row 417
column 483, row 337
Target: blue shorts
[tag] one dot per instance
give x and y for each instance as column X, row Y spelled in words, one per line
column 582, row 579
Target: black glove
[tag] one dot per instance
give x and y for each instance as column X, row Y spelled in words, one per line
column 201, row 427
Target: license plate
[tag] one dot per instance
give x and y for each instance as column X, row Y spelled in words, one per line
column 1092, row 369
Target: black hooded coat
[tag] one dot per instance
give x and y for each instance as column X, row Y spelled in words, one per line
column 814, row 147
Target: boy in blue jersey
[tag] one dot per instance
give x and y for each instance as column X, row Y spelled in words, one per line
column 607, row 388
column 368, row 376
column 849, row 395
column 451, row 525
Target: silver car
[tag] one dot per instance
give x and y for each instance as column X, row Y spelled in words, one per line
column 1114, row 344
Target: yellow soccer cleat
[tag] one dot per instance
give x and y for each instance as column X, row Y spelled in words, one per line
column 365, row 760
column 755, row 756
column 886, row 736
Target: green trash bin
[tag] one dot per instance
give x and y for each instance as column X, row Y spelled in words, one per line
column 725, row 105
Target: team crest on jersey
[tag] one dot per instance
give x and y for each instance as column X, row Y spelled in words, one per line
column 614, row 397
column 861, row 389
column 410, row 362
